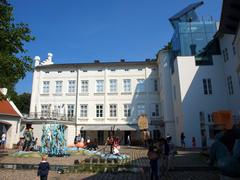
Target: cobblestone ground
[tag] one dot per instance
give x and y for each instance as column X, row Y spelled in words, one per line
column 138, row 158
column 174, row 175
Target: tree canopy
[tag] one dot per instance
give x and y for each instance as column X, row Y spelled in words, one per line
column 14, row 63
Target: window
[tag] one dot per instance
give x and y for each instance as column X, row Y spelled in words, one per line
column 46, row 72
column 58, row 87
column 71, row 86
column 230, row 85
column 57, row 110
column 72, row 71
column 59, row 71
column 113, row 85
column 207, row 86
column 113, row 70
column 100, row 86
column 84, row 70
column 70, row 111
column 210, row 118
column 139, row 69
column 140, row 109
column 127, row 85
column 45, row 110
column 225, row 55
column 126, row 69
column 155, row 110
column 100, row 70
column 113, row 110
column 84, row 86
column 99, row 110
column 46, row 86
column 127, row 110
column 83, row 110
column 140, row 85
column 155, row 85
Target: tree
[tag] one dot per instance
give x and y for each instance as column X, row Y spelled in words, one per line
column 13, row 62
column 22, row 102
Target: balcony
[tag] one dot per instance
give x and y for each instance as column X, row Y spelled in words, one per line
column 51, row 116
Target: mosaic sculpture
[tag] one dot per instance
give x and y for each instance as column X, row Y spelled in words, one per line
column 53, row 141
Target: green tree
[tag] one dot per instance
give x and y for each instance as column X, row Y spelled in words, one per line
column 22, row 102
column 13, row 62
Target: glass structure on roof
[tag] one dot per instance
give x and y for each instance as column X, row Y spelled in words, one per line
column 191, row 34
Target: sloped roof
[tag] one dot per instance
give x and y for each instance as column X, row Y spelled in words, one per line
column 7, row 109
column 186, row 10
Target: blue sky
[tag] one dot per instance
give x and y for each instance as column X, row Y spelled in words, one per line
column 77, row 31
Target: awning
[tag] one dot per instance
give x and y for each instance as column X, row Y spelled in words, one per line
column 119, row 127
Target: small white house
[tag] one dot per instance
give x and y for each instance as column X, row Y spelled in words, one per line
column 10, row 119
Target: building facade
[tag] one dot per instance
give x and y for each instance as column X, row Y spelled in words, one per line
column 96, row 98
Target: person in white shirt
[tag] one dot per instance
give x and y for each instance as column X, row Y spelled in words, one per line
column 3, row 140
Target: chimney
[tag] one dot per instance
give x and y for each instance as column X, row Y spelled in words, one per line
column 50, row 55
column 148, row 60
column 122, row 60
column 37, row 60
column 4, row 91
column 96, row 61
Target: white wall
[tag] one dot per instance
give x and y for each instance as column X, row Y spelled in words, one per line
column 192, row 98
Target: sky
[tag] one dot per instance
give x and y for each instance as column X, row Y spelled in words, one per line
column 78, row 31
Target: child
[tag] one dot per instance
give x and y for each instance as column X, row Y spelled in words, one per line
column 193, row 142
column 43, row 168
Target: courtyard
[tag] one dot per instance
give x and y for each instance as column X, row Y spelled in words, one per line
column 189, row 164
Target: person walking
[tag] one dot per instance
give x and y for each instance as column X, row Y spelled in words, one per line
column 43, row 168
column 153, row 157
column 182, row 140
column 128, row 140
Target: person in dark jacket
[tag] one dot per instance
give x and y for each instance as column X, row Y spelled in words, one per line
column 43, row 168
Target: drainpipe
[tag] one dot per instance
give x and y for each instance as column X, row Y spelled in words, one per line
column 76, row 102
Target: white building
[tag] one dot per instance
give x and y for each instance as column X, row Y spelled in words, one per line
column 178, row 92
column 202, row 84
column 95, row 98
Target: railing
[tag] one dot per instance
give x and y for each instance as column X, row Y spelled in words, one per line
column 51, row 116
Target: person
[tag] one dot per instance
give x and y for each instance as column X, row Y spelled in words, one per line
column 182, row 140
column 128, row 140
column 116, row 146
column 193, row 142
column 3, row 140
column 43, row 168
column 77, row 139
column 153, row 157
column 172, row 152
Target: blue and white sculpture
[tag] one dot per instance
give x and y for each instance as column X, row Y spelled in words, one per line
column 53, row 141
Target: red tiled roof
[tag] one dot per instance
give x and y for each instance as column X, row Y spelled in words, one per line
column 7, row 109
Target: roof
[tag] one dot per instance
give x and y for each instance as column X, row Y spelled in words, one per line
column 99, row 64
column 230, row 16
column 6, row 108
column 186, row 10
